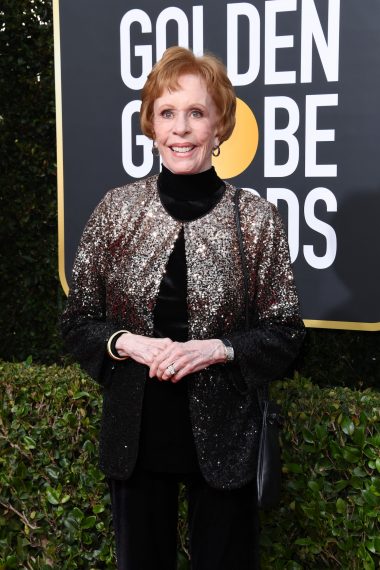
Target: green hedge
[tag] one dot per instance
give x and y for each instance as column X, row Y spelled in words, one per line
column 54, row 505
column 330, row 513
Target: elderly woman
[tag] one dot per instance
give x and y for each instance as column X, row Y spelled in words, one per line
column 156, row 315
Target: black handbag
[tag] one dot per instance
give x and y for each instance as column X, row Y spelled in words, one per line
column 269, row 454
column 269, row 457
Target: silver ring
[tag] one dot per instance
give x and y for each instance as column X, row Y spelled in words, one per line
column 171, row 369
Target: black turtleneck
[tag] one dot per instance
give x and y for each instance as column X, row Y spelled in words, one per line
column 166, row 442
column 189, row 196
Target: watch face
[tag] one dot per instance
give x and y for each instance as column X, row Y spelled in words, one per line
column 229, row 351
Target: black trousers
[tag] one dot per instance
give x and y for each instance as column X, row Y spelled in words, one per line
column 223, row 525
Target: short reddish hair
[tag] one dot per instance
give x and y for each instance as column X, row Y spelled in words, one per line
column 178, row 61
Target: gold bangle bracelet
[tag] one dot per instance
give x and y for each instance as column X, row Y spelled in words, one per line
column 110, row 353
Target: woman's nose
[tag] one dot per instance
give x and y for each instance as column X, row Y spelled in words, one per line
column 181, row 125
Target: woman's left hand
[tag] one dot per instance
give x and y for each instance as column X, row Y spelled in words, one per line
column 187, row 357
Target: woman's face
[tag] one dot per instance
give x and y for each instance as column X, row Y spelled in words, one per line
column 185, row 125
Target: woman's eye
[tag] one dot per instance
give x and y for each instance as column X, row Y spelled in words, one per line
column 196, row 113
column 167, row 114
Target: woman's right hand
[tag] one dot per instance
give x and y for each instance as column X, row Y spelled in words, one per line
column 143, row 349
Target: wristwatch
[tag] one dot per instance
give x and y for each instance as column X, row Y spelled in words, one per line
column 229, row 350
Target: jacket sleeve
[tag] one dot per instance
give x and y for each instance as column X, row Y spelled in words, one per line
column 84, row 324
column 276, row 330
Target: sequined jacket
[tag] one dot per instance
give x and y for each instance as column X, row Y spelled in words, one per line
column 117, row 272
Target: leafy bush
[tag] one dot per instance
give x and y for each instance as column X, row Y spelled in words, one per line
column 330, row 513
column 52, row 496
column 54, row 503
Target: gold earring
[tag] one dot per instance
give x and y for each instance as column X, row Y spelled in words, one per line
column 216, row 151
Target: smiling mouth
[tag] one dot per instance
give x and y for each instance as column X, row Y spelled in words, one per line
column 182, row 149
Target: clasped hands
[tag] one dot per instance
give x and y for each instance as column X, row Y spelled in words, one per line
column 168, row 359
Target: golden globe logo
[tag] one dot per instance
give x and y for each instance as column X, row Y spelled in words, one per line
column 239, row 150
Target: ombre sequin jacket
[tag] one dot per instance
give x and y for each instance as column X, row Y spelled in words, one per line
column 116, row 277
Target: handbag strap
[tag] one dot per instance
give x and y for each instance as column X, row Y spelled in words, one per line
column 243, row 259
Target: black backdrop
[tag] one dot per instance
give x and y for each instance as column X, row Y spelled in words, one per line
column 305, row 72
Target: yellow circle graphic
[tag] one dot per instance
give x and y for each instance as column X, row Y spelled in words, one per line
column 237, row 153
